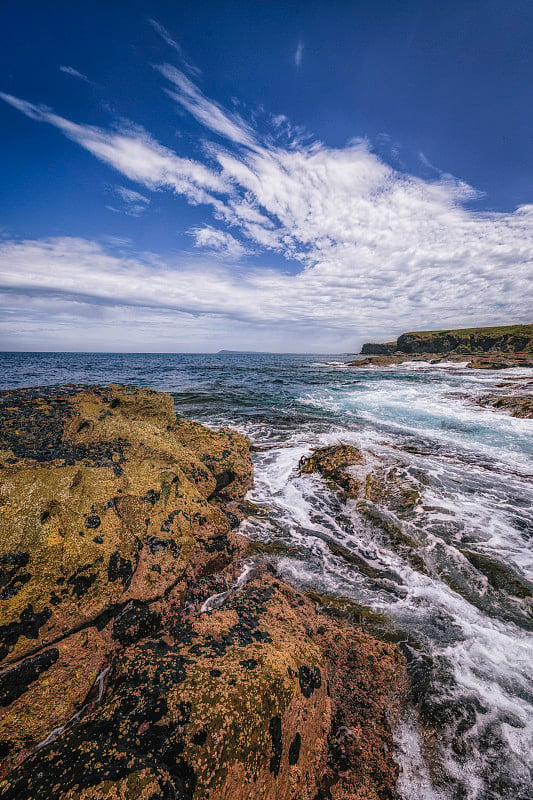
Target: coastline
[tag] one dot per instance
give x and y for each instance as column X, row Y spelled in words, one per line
column 117, row 523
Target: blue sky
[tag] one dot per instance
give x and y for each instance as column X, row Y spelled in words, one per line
column 304, row 176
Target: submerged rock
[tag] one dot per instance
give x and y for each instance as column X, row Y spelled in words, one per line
column 121, row 677
column 517, row 405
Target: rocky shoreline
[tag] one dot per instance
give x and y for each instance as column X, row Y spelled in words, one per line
column 516, row 400
column 472, row 360
column 481, row 348
column 475, row 348
column 145, row 653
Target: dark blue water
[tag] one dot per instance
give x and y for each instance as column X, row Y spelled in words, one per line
column 473, row 467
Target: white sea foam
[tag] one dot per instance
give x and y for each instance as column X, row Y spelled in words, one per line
column 474, row 469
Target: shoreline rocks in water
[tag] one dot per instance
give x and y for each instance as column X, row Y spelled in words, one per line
column 516, row 398
column 119, row 679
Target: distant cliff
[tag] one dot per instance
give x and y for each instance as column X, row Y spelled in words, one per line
column 502, row 339
column 386, row 349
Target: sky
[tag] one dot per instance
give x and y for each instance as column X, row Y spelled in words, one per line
column 296, row 176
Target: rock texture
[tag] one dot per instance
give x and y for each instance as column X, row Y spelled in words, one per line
column 133, row 663
column 504, row 339
column 362, row 477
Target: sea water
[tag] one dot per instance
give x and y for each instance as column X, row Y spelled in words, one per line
column 454, row 589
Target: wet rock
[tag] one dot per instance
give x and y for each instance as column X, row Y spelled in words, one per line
column 379, row 484
column 391, row 488
column 332, row 463
column 517, row 405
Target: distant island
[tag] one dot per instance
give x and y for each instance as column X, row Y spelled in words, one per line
column 241, row 352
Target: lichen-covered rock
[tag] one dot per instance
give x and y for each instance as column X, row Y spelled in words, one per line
column 262, row 698
column 134, row 665
column 105, row 501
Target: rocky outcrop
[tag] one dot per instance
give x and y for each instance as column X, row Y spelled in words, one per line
column 333, row 463
column 492, row 348
column 388, row 494
column 506, row 339
column 136, row 661
column 363, row 478
column 376, row 349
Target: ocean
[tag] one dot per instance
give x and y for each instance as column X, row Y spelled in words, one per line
column 452, row 582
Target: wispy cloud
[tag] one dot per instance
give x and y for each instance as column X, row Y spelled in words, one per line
column 75, row 74
column 134, row 204
column 379, row 250
column 168, row 39
column 135, row 154
column 299, row 54
column 206, row 111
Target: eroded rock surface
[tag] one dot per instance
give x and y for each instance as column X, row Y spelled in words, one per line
column 119, row 678
column 370, row 482
column 511, row 339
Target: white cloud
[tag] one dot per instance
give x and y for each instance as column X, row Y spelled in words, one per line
column 135, row 154
column 380, row 251
column 134, row 204
column 168, row 39
column 207, row 112
column 299, row 54
column 75, row 74
column 220, row 242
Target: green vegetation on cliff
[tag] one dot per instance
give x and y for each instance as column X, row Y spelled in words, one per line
column 499, row 339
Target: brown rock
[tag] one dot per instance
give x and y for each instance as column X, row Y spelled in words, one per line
column 519, row 405
column 115, row 534
column 332, row 463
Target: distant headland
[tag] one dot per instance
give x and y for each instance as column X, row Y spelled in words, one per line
column 500, row 339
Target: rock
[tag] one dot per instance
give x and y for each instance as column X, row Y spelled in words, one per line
column 377, row 361
column 516, row 405
column 116, row 681
column 124, row 465
column 385, row 485
column 509, row 339
column 493, row 348
column 375, row 349
column 388, row 487
column 332, row 463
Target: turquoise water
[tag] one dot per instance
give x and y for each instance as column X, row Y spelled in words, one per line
column 468, row 639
